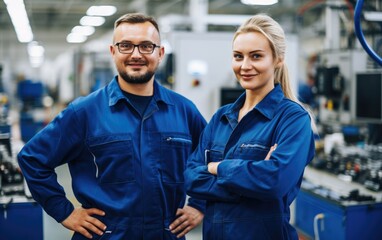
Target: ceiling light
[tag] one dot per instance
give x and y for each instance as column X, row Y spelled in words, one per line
column 75, row 38
column 92, row 21
column 36, row 54
column 35, row 50
column 20, row 21
column 84, row 30
column 373, row 16
column 259, row 2
column 105, row 10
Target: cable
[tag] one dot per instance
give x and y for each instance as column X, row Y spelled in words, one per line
column 315, row 225
column 309, row 5
column 350, row 7
column 314, row 3
column 359, row 33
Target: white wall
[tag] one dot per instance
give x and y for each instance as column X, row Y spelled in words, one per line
column 213, row 49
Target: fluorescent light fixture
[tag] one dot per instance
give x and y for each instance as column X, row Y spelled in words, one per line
column 20, row 21
column 35, row 50
column 83, row 30
column 105, row 10
column 259, row 2
column 36, row 54
column 223, row 19
column 76, row 38
column 92, row 21
column 373, row 16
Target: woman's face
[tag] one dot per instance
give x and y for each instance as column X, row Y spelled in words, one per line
column 253, row 62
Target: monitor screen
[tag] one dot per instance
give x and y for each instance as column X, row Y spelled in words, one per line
column 229, row 95
column 368, row 97
column 329, row 82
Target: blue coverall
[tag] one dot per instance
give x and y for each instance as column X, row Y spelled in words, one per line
column 249, row 198
column 128, row 165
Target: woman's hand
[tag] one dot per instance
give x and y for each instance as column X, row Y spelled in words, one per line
column 213, row 167
column 273, row 148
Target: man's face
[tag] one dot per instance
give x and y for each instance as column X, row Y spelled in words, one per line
column 135, row 67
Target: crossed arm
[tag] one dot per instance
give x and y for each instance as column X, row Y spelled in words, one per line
column 213, row 166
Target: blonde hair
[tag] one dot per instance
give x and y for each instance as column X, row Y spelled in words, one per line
column 272, row 30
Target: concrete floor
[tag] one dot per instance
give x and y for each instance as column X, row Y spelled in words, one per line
column 195, row 234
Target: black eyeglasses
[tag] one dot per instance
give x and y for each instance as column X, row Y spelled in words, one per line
column 143, row 48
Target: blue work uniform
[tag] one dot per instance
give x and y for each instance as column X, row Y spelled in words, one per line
column 249, row 198
column 128, row 165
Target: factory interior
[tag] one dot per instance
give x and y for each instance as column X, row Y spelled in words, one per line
column 334, row 50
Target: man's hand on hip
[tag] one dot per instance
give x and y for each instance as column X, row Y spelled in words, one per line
column 82, row 221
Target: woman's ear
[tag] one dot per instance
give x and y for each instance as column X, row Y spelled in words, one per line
column 279, row 63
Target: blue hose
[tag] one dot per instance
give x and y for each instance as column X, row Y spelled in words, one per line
column 359, row 33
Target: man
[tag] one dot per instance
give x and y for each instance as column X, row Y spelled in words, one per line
column 126, row 146
column 306, row 92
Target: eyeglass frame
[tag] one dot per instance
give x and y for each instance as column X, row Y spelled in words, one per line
column 137, row 46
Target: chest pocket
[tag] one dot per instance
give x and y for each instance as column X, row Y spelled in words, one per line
column 175, row 149
column 113, row 158
column 251, row 151
column 215, row 154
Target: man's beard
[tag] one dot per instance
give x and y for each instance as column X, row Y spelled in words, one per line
column 137, row 79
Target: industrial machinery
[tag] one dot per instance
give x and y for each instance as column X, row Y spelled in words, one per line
column 31, row 114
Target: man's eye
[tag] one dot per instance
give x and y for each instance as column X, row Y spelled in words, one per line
column 146, row 46
column 125, row 45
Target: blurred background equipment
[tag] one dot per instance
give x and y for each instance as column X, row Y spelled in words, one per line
column 32, row 110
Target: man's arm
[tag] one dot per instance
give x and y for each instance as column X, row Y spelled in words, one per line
column 48, row 149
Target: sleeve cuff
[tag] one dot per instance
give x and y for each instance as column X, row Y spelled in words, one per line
column 224, row 169
column 59, row 210
column 197, row 204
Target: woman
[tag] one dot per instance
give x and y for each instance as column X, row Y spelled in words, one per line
column 251, row 158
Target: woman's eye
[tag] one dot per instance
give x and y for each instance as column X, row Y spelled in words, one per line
column 256, row 56
column 237, row 56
